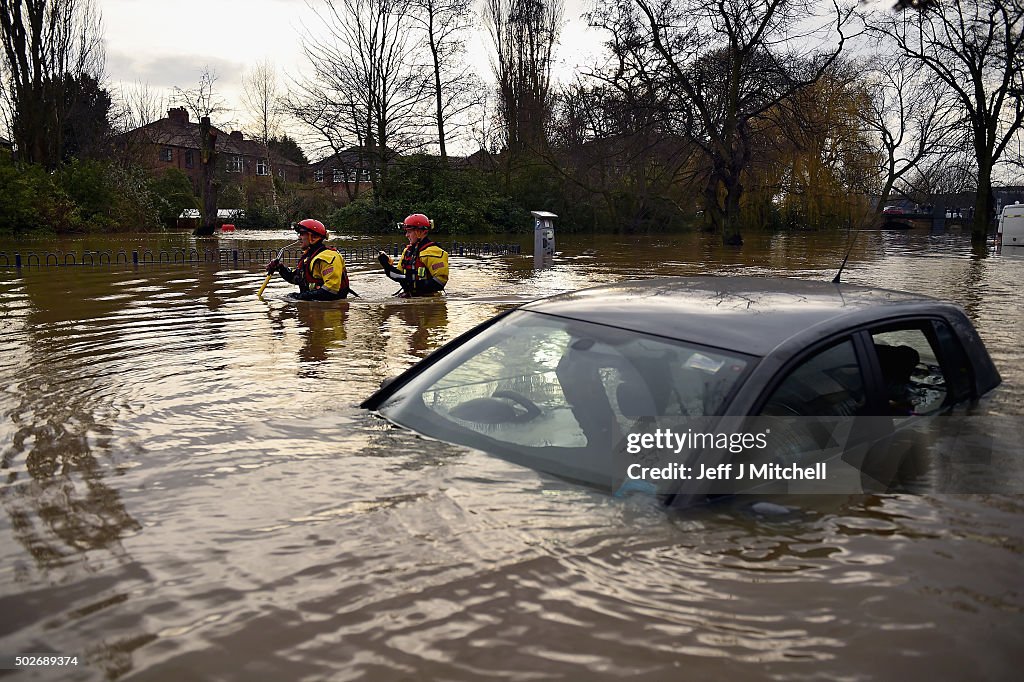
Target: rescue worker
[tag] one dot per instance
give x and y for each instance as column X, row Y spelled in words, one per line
column 423, row 268
column 320, row 273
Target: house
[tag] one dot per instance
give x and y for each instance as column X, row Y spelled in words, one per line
column 173, row 142
column 344, row 176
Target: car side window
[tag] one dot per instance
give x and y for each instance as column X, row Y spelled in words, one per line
column 828, row 383
column 545, row 382
column 913, row 379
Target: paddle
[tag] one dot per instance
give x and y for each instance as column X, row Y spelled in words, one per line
column 280, row 254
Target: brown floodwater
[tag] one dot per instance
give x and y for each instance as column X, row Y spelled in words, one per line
column 189, row 491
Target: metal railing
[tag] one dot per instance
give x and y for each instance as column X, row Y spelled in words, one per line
column 183, row 256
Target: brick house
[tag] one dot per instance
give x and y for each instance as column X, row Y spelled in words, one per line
column 343, row 176
column 173, row 142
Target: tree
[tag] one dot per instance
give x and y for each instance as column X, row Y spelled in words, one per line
column 136, row 105
column 203, row 101
column 724, row 64
column 367, row 91
column 909, row 112
column 288, row 148
column 609, row 139
column 815, row 159
column 50, row 47
column 524, row 34
column 261, row 99
column 975, row 48
column 443, row 23
column 86, row 124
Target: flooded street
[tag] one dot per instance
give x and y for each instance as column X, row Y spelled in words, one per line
column 189, row 491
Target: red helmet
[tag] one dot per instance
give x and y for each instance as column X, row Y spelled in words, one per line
column 311, row 226
column 417, row 220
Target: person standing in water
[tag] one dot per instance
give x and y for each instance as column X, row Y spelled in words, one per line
column 320, row 273
column 423, row 268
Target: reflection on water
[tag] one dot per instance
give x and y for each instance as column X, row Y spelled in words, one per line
column 190, row 492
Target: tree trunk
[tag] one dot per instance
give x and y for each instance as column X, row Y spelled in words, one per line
column 731, row 232
column 724, row 219
column 208, row 160
column 984, row 206
column 438, row 101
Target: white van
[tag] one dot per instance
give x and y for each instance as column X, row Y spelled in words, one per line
column 1011, row 225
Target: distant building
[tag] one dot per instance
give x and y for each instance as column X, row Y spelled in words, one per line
column 173, row 142
column 6, row 144
column 1007, row 195
column 344, row 176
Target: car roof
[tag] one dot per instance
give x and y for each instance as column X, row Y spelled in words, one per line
column 751, row 315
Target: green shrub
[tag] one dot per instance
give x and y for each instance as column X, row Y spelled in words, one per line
column 32, row 201
column 171, row 194
column 459, row 200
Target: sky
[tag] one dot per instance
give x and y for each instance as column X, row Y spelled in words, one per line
column 159, row 43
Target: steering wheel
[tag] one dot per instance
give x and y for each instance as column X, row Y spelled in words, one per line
column 532, row 411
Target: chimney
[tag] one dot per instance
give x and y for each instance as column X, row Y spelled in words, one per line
column 178, row 116
column 236, row 135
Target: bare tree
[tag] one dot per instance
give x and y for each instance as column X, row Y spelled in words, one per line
column 909, row 112
column 262, row 102
column 367, row 91
column 976, row 48
column 725, row 63
column 139, row 104
column 524, row 34
column 444, row 24
column 610, row 138
column 203, row 101
column 50, row 46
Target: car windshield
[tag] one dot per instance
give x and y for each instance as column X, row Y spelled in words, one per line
column 561, row 394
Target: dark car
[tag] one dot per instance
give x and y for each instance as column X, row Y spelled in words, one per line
column 701, row 383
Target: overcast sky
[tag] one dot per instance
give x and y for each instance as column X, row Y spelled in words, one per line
column 168, row 44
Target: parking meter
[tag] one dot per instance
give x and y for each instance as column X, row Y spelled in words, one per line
column 543, row 237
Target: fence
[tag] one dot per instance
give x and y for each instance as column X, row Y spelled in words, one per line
column 226, row 256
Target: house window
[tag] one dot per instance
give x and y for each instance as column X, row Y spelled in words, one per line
column 189, row 158
column 364, row 175
column 337, row 175
column 166, row 154
column 234, row 164
column 261, row 167
column 280, row 173
column 318, row 175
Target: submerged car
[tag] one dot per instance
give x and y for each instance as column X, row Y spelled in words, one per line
column 691, row 388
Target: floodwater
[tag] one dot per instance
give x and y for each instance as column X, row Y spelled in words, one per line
column 190, row 492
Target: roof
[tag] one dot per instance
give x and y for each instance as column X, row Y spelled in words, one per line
column 175, row 133
column 353, row 157
column 751, row 315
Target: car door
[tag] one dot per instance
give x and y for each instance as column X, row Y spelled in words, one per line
column 868, row 397
column 921, row 373
column 816, row 410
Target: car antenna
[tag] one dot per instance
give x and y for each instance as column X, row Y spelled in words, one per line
column 849, row 249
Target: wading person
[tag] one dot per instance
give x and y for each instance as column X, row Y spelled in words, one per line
column 320, row 273
column 423, row 267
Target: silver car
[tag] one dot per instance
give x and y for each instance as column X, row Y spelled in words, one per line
column 694, row 388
